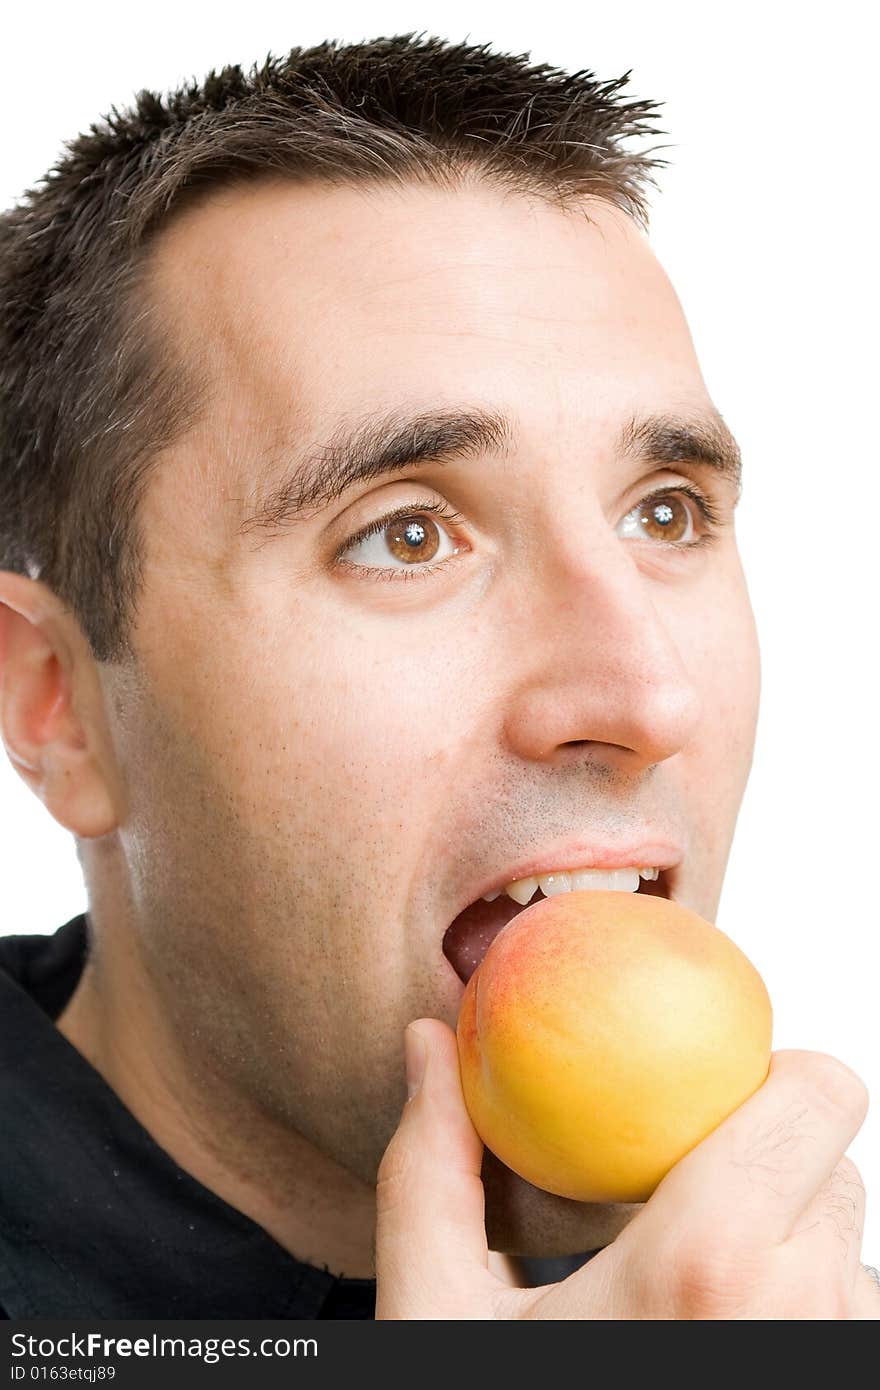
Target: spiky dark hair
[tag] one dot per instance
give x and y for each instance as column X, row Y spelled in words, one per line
column 88, row 399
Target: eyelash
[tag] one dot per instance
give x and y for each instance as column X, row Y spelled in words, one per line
column 708, row 511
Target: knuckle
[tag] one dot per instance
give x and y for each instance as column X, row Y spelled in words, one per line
column 392, row 1178
column 812, row 1286
column 847, row 1178
column 831, row 1080
column 772, row 1153
column 713, row 1277
column 843, row 1199
column 724, row 1278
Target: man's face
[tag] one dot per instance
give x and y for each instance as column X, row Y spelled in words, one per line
column 334, row 746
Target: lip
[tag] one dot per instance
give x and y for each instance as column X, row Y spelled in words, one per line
column 659, row 854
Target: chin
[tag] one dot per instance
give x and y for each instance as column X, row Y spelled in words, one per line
column 523, row 1220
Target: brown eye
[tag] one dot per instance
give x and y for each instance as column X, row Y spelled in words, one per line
column 412, row 538
column 403, row 544
column 665, row 518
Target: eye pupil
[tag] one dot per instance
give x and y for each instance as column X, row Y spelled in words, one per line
column 410, row 539
column 665, row 520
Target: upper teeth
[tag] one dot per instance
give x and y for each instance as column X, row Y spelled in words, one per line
column 522, row 890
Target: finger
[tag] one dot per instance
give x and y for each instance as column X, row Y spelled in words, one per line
column 756, row 1174
column 430, row 1232
column 827, row 1236
column 866, row 1302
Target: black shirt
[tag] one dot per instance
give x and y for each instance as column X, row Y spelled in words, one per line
column 96, row 1220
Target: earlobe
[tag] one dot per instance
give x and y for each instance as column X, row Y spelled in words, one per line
column 76, row 795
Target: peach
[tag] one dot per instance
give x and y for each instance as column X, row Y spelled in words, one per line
column 605, row 1034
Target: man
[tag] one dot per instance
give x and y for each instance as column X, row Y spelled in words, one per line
column 368, row 544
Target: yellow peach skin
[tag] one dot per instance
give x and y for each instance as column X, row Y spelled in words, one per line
column 603, row 1036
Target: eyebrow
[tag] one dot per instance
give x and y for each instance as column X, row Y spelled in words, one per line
column 391, row 441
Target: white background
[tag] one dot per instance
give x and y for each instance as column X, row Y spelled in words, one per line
column 766, row 223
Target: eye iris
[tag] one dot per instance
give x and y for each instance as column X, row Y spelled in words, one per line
column 660, row 521
column 410, row 539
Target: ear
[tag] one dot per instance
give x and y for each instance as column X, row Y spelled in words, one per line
column 51, row 708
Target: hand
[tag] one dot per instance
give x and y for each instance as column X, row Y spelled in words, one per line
column 762, row 1220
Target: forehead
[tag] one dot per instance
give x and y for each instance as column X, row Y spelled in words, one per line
column 331, row 288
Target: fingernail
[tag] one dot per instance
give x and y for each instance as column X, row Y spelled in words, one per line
column 416, row 1050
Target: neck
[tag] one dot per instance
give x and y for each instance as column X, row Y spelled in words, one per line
column 316, row 1210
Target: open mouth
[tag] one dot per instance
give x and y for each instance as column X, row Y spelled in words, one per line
column 472, row 932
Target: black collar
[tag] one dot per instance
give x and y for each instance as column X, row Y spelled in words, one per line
column 96, row 1220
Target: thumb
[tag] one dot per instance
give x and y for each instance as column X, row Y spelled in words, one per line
column 430, row 1235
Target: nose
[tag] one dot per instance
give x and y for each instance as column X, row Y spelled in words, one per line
column 604, row 674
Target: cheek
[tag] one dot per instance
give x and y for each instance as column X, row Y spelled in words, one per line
column 737, row 672
column 371, row 708
column 346, row 720
column 725, row 663
column 731, row 682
